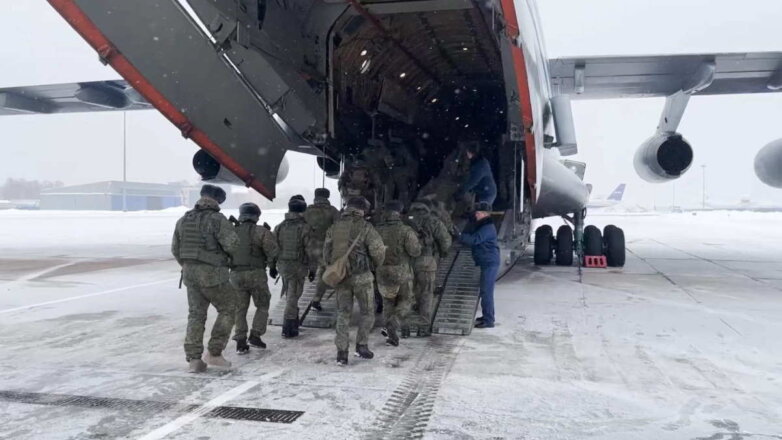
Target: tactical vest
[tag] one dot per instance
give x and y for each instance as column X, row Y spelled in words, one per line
column 343, row 233
column 421, row 224
column 289, row 236
column 319, row 218
column 392, row 235
column 198, row 241
column 248, row 256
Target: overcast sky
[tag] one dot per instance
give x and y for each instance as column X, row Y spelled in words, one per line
column 38, row 47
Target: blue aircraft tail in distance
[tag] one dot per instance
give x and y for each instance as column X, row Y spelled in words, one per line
column 618, row 193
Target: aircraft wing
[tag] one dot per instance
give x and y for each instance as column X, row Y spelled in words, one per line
column 647, row 76
column 92, row 96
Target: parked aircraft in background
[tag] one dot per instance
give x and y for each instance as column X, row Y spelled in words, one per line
column 613, row 199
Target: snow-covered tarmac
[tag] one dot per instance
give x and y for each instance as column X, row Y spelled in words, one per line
column 683, row 343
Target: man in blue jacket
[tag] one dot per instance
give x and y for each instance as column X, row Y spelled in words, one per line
column 480, row 180
column 481, row 236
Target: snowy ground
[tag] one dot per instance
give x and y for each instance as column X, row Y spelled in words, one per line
column 683, row 343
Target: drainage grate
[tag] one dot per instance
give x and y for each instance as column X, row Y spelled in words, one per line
column 221, row 412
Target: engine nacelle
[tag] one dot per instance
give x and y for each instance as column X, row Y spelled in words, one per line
column 664, row 157
column 768, row 164
column 210, row 170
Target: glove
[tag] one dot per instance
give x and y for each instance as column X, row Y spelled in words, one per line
column 273, row 272
column 266, row 225
column 311, row 276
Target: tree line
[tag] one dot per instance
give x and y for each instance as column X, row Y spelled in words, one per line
column 20, row 189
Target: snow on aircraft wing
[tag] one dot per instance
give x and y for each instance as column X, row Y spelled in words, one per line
column 95, row 96
column 646, row 76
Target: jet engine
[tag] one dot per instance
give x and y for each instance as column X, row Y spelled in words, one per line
column 664, row 157
column 210, row 170
column 768, row 164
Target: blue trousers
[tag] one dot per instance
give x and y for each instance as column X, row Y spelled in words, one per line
column 488, row 276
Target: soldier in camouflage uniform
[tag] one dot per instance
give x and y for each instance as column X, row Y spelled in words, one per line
column 292, row 236
column 358, row 180
column 203, row 243
column 257, row 246
column 319, row 217
column 395, row 276
column 435, row 242
column 368, row 253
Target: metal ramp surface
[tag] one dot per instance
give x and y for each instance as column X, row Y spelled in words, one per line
column 455, row 312
column 315, row 319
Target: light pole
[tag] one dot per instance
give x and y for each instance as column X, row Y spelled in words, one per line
column 703, row 167
column 124, row 161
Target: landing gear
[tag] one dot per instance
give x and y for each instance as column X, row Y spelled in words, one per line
column 593, row 241
column 581, row 240
column 614, row 245
column 543, row 245
column 564, row 246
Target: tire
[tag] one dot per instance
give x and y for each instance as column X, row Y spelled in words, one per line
column 564, row 246
column 545, row 229
column 615, row 246
column 605, row 230
column 543, row 250
column 593, row 241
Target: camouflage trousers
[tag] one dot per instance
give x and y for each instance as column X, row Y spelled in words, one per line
column 395, row 310
column 321, row 287
column 423, row 290
column 293, row 286
column 251, row 285
column 360, row 288
column 201, row 292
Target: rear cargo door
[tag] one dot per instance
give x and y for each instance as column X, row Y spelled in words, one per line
column 165, row 56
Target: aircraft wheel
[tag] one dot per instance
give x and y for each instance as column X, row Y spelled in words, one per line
column 593, row 241
column 543, row 249
column 614, row 239
column 564, row 246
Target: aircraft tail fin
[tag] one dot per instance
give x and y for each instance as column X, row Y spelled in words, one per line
column 618, row 193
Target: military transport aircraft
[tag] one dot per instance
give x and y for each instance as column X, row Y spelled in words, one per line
column 248, row 80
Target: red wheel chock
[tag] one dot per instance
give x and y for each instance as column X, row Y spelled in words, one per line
column 595, row 261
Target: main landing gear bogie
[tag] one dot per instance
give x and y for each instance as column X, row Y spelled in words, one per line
column 561, row 247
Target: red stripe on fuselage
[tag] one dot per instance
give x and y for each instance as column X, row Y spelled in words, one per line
column 87, row 29
column 522, row 84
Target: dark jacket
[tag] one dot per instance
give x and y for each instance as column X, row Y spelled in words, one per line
column 482, row 238
column 480, row 181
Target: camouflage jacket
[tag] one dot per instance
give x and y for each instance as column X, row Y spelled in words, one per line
column 434, row 237
column 368, row 253
column 292, row 236
column 402, row 245
column 217, row 237
column 319, row 217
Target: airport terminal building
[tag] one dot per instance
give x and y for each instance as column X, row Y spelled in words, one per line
column 113, row 196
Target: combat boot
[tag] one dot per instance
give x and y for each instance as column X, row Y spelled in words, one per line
column 316, row 305
column 289, row 329
column 342, row 357
column 405, row 332
column 217, row 361
column 242, row 347
column 255, row 341
column 363, row 352
column 197, row 366
column 392, row 339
